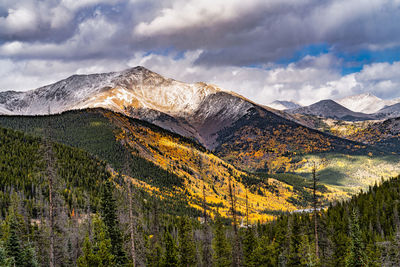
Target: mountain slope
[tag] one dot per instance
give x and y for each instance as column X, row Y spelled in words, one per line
column 330, row 109
column 383, row 134
column 391, row 111
column 164, row 161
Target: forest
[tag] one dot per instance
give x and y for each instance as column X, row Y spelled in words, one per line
column 62, row 206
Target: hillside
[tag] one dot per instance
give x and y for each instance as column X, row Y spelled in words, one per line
column 389, row 111
column 361, row 232
column 264, row 141
column 166, row 160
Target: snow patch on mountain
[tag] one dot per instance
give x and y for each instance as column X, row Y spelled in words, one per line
column 365, row 103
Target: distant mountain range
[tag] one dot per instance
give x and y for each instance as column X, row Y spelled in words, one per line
column 331, row 109
column 353, row 108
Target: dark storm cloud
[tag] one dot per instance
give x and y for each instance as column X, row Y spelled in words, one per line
column 227, row 32
column 265, row 50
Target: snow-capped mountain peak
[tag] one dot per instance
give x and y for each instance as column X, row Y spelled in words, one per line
column 365, row 103
column 135, row 87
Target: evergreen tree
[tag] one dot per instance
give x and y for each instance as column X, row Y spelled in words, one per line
column 5, row 261
column 187, row 248
column 307, row 252
column 13, row 245
column 109, row 215
column 265, row 253
column 99, row 251
column 207, row 259
column 356, row 256
column 87, row 258
column 29, row 256
column 249, row 246
column 171, row 255
column 222, row 249
column 154, row 253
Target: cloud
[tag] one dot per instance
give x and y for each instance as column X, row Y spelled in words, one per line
column 239, row 45
column 311, row 79
column 227, row 32
column 195, row 14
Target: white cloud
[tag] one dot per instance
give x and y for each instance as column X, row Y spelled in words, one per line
column 308, row 81
column 91, row 37
column 194, row 14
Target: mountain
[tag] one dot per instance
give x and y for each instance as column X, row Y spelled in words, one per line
column 391, row 111
column 237, row 130
column 364, row 103
column 195, row 110
column 199, row 111
column 282, row 105
column 330, row 109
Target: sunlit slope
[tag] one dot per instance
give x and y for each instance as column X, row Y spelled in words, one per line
column 265, row 142
column 350, row 173
column 165, row 161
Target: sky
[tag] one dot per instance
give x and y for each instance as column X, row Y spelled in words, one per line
column 300, row 50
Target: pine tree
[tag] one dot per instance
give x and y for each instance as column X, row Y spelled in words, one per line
column 356, row 256
column 236, row 241
column 99, row 251
column 249, row 246
column 222, row 249
column 265, row 253
column 109, row 215
column 13, row 245
column 307, row 252
column 315, row 203
column 154, row 253
column 5, row 261
column 187, row 249
column 207, row 259
column 171, row 255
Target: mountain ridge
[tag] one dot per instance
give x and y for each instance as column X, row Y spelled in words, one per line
column 331, row 109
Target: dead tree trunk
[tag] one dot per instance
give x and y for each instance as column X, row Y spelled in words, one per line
column 236, row 259
column 131, row 218
column 247, row 209
column 315, row 203
column 131, row 225
column 51, row 176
